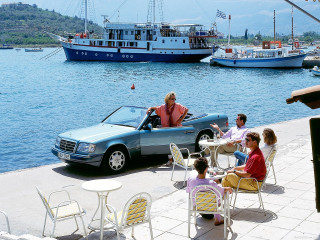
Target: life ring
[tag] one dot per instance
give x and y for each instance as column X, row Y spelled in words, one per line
column 138, row 37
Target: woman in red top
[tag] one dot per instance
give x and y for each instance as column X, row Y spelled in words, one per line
column 170, row 113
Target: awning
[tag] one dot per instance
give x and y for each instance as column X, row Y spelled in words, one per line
column 309, row 96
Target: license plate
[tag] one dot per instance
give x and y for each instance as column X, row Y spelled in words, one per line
column 64, row 156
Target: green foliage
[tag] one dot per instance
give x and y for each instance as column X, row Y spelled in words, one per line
column 307, row 37
column 23, row 24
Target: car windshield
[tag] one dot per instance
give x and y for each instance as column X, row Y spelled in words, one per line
column 127, row 116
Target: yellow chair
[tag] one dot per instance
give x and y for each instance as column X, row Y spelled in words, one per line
column 135, row 212
column 7, row 221
column 206, row 199
column 178, row 160
column 63, row 211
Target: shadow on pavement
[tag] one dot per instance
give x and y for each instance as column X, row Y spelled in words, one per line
column 88, row 172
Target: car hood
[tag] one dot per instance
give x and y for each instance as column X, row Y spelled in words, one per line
column 96, row 133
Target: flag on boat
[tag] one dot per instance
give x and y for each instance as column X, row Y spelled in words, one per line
column 221, row 14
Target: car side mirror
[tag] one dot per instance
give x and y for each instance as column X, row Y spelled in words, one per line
column 148, row 127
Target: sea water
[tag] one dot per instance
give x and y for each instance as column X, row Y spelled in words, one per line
column 42, row 97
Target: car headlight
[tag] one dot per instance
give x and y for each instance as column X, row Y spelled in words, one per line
column 86, row 147
column 58, row 141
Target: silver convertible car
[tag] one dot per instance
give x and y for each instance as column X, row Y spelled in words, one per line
column 129, row 133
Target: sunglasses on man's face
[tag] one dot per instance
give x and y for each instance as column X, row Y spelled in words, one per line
column 248, row 140
column 173, row 99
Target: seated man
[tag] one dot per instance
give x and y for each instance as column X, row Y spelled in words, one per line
column 198, row 177
column 255, row 167
column 236, row 135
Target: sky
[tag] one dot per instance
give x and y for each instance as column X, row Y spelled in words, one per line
column 254, row 15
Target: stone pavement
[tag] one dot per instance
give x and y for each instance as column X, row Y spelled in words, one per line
column 290, row 204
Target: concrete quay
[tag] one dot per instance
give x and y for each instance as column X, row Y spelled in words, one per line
column 289, row 204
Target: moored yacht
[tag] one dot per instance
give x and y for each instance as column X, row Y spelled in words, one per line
column 265, row 57
column 141, row 42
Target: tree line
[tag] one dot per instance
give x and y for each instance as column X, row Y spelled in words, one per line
column 24, row 24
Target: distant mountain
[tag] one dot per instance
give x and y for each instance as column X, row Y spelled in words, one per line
column 23, row 24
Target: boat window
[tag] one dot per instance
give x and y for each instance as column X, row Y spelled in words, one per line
column 184, row 41
column 100, row 43
column 132, row 33
column 163, row 41
column 154, row 33
column 126, row 32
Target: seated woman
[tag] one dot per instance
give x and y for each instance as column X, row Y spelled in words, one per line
column 269, row 138
column 198, row 177
column 171, row 113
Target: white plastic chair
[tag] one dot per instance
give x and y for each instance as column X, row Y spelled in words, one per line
column 186, row 163
column 269, row 162
column 63, row 211
column 135, row 212
column 206, row 199
column 7, row 221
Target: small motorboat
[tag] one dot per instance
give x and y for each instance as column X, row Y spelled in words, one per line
column 315, row 71
column 33, row 49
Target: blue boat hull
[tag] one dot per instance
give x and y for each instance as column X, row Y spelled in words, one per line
column 85, row 55
column 281, row 62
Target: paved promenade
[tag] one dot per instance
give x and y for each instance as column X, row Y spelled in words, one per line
column 290, row 204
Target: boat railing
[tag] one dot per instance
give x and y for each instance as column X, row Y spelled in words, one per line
column 200, row 45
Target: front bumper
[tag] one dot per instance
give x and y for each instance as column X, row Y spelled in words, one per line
column 92, row 159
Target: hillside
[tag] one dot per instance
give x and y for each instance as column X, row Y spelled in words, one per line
column 23, row 24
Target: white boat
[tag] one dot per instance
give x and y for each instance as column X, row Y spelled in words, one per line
column 33, row 49
column 315, row 71
column 265, row 57
column 314, row 52
column 141, row 42
column 6, row 46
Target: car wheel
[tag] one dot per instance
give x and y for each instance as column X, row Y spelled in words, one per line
column 203, row 136
column 115, row 160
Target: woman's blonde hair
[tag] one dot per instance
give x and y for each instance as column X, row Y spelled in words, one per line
column 168, row 96
column 269, row 137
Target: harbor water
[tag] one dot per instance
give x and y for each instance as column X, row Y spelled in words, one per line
column 40, row 98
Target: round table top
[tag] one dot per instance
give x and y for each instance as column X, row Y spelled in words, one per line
column 219, row 142
column 216, row 177
column 101, row 185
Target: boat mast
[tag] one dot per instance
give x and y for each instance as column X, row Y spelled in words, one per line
column 274, row 27
column 229, row 30
column 292, row 27
column 86, row 15
column 154, row 10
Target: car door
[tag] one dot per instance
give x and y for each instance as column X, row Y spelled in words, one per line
column 157, row 140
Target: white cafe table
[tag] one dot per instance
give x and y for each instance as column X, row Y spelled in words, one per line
column 102, row 187
column 213, row 146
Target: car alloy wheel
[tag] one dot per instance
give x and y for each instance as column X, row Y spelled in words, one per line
column 203, row 136
column 117, row 160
